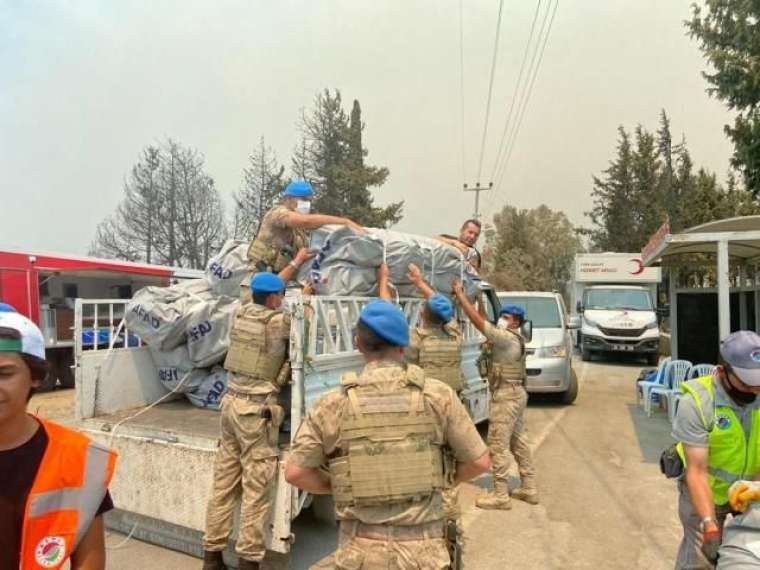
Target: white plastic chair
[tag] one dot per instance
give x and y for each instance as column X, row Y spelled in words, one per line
column 643, row 386
column 675, row 373
column 699, row 370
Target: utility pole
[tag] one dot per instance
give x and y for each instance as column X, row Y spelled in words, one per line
column 477, row 189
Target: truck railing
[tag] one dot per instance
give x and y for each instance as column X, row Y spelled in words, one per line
column 99, row 325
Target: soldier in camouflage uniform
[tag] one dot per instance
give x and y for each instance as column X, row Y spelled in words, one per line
column 435, row 345
column 258, row 367
column 282, row 233
column 391, row 424
column 506, row 424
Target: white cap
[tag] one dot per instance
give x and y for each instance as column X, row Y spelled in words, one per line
column 31, row 342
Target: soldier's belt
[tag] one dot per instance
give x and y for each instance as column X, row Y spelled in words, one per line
column 258, row 398
column 433, row 529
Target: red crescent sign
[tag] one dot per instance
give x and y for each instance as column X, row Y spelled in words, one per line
column 640, row 268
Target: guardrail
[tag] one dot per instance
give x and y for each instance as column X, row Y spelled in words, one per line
column 99, row 325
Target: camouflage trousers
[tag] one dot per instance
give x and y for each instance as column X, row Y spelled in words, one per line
column 507, row 436
column 357, row 553
column 245, row 467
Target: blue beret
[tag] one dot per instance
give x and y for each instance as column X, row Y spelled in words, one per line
column 298, row 189
column 267, row 283
column 6, row 308
column 741, row 350
column 515, row 310
column 386, row 321
column 441, row 307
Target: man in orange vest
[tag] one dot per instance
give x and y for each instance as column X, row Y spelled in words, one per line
column 54, row 480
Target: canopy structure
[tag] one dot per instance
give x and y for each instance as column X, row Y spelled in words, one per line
column 733, row 237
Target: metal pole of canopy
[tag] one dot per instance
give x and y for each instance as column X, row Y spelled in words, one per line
column 742, row 297
column 672, row 277
column 724, row 303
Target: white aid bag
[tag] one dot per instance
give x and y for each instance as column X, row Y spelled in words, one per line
column 158, row 314
column 209, row 393
column 175, row 371
column 208, row 331
column 227, row 269
column 347, row 263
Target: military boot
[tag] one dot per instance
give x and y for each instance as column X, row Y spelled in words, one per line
column 496, row 499
column 526, row 494
column 212, row 560
column 244, row 564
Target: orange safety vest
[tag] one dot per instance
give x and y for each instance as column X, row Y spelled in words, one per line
column 69, row 487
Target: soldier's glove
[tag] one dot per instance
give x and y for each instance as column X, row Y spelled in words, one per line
column 711, row 544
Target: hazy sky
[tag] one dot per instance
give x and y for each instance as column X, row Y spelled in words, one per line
column 84, row 86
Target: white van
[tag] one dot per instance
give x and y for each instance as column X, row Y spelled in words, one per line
column 549, row 360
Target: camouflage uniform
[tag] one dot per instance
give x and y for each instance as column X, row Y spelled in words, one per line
column 250, row 420
column 274, row 246
column 438, row 351
column 506, row 429
column 400, row 534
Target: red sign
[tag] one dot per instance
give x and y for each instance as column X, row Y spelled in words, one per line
column 656, row 240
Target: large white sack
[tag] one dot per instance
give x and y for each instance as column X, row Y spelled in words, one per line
column 175, row 371
column 228, row 268
column 347, row 262
column 209, row 393
column 208, row 331
column 158, row 314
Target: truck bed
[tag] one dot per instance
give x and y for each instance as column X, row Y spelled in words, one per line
column 178, row 418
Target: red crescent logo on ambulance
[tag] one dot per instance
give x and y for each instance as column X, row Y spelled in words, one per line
column 640, row 268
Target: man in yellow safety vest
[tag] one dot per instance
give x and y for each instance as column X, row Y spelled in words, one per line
column 718, row 429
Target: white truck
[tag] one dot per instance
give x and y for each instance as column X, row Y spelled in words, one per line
column 166, row 446
column 615, row 298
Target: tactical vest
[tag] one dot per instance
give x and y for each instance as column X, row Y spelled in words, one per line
column 509, row 372
column 386, row 449
column 731, row 456
column 265, row 254
column 441, row 357
column 249, row 341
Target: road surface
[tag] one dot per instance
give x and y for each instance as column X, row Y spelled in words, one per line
column 604, row 503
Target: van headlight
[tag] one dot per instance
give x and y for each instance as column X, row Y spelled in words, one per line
column 591, row 323
column 652, row 325
column 559, row 351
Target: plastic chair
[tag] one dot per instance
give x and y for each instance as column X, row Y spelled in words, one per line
column 675, row 373
column 699, row 370
column 643, row 386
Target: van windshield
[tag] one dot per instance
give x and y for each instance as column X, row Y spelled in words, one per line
column 627, row 299
column 543, row 311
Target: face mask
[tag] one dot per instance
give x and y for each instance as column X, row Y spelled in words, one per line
column 742, row 398
column 303, row 206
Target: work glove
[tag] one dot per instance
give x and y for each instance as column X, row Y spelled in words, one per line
column 742, row 493
column 711, row 544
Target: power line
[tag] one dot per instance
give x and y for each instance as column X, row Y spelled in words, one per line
column 461, row 86
column 490, row 90
column 522, row 111
column 514, row 93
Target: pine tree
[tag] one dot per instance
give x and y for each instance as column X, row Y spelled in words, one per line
column 333, row 153
column 263, row 181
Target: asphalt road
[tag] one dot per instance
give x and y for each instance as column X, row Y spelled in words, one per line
column 604, row 503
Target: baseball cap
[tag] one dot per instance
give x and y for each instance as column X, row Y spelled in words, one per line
column 741, row 350
column 31, row 341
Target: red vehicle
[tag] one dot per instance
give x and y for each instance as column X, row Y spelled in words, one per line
column 43, row 287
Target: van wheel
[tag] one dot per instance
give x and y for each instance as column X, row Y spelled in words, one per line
column 585, row 354
column 568, row 396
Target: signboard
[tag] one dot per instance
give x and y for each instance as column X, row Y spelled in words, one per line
column 656, row 241
column 614, row 268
